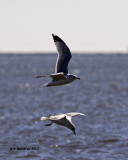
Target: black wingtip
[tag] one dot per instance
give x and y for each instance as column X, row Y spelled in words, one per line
column 74, row 133
column 53, row 35
column 56, row 38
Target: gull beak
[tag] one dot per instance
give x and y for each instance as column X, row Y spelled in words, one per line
column 78, row 78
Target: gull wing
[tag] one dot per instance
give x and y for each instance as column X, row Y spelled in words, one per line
column 71, row 114
column 58, row 76
column 63, row 120
column 57, row 117
column 64, row 55
column 69, row 118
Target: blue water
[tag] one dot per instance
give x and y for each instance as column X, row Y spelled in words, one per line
column 102, row 94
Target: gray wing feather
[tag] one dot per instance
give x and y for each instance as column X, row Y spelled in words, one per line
column 57, row 117
column 58, row 76
column 74, row 114
column 64, row 55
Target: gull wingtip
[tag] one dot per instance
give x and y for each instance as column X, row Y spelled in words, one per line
column 53, row 35
column 83, row 114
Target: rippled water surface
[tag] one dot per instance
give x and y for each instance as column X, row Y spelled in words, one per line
column 102, row 94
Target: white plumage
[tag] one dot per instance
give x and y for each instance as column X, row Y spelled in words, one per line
column 63, row 119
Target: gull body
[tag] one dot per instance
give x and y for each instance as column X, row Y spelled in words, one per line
column 60, row 79
column 61, row 76
column 63, row 120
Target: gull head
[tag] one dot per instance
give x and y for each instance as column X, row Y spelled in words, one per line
column 73, row 77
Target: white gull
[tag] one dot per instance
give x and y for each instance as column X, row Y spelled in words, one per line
column 63, row 119
column 61, row 76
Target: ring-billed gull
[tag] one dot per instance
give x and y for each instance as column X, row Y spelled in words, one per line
column 61, row 76
column 63, row 119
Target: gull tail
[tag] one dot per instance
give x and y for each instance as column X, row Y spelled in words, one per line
column 44, row 118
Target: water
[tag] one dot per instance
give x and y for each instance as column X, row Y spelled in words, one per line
column 102, row 94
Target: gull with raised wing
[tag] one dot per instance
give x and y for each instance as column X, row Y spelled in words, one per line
column 61, row 76
column 63, row 119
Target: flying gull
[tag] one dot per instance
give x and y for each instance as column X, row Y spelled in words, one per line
column 61, row 76
column 63, row 119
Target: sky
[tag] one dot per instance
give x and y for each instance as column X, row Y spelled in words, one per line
column 85, row 25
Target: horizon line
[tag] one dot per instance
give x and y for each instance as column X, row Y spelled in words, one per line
column 74, row 52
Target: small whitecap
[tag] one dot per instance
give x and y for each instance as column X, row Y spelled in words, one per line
column 1, row 117
column 56, row 145
column 27, row 85
column 36, row 122
column 78, row 150
column 68, row 141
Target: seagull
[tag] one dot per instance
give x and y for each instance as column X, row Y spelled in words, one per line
column 63, row 120
column 61, row 76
